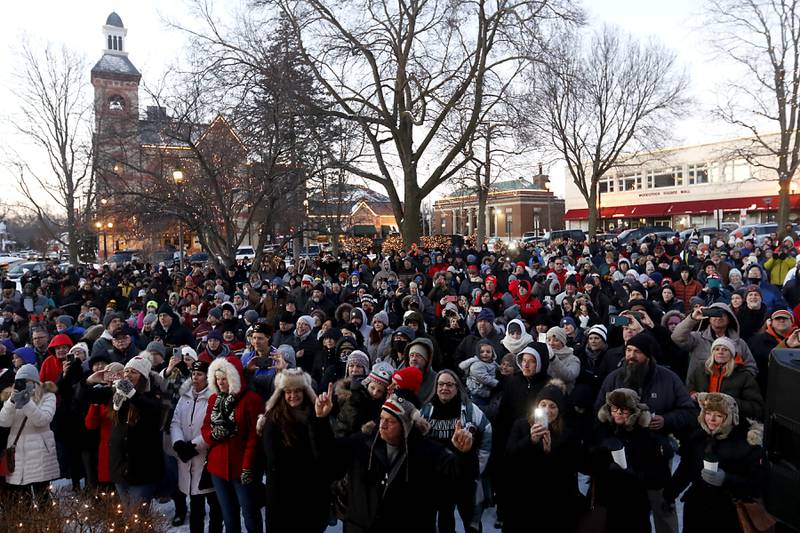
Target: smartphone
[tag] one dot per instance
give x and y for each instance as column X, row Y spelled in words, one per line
column 475, row 309
column 713, row 312
column 176, row 351
column 621, row 321
column 540, row 417
column 450, row 298
column 543, row 337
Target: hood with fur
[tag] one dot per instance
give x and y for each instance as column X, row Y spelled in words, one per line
column 231, row 366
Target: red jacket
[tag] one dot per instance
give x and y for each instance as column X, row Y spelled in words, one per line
column 528, row 304
column 98, row 418
column 52, row 367
column 227, row 458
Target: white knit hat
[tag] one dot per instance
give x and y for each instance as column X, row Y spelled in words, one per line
column 599, row 330
column 140, row 363
column 727, row 342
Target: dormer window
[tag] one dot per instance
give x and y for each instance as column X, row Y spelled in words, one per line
column 116, row 103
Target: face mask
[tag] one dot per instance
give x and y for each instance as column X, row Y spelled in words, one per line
column 754, row 281
column 399, row 346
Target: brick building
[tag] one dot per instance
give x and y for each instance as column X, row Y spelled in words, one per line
column 513, row 207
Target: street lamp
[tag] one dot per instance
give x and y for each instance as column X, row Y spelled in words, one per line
column 177, row 176
column 103, row 229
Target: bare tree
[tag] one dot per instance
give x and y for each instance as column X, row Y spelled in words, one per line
column 763, row 39
column 398, row 69
column 601, row 101
column 54, row 115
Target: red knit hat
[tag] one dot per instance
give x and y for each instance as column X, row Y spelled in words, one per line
column 409, row 378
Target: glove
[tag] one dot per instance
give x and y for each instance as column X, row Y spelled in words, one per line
column 247, row 476
column 20, row 398
column 714, row 479
column 125, row 387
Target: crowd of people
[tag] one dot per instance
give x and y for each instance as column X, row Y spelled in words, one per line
column 408, row 390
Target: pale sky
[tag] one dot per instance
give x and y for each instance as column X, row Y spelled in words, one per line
column 152, row 47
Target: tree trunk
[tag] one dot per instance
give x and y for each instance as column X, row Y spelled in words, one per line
column 409, row 226
column 483, row 197
column 784, row 206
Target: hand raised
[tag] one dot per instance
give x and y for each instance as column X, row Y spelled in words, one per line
column 324, row 403
column 462, row 438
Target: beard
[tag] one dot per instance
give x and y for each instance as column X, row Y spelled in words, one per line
column 635, row 375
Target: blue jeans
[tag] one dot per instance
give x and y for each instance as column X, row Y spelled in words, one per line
column 133, row 496
column 232, row 496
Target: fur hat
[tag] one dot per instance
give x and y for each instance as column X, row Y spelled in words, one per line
column 28, row 371
column 719, row 403
column 625, row 399
column 406, row 413
column 291, row 378
column 381, row 373
column 141, row 363
column 231, row 366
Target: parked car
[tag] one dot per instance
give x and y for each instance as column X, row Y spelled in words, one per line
column 565, row 234
column 532, row 237
column 19, row 269
column 659, row 235
column 761, row 231
column 634, row 234
column 124, row 256
column 712, row 232
column 198, row 257
column 245, row 252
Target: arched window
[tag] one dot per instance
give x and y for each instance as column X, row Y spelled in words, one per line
column 116, row 103
column 120, row 44
column 109, row 43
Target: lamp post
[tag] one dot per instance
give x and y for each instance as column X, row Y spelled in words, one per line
column 103, row 229
column 549, row 200
column 177, row 176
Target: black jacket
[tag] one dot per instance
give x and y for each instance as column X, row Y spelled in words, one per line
column 176, row 336
column 375, row 488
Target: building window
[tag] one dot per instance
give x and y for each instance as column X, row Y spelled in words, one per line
column 492, row 221
column 116, row 103
column 444, row 224
column 698, row 174
column 457, row 223
column 120, row 44
column 509, row 221
column 631, row 182
column 605, row 185
column 668, row 177
column 109, row 43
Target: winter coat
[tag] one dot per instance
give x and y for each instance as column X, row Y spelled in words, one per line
column 469, row 345
column 778, row 268
column 751, row 321
column 176, row 336
column 187, row 423
column 227, row 458
column 377, row 351
column 593, row 372
column 686, row 336
column 470, row 415
column 663, row 392
column 761, row 344
column 741, row 385
column 554, row 502
column 355, row 407
column 564, row 365
column 36, row 460
column 529, row 305
column 423, row 471
column 481, row 376
column 98, row 417
column 685, row 291
column 297, row 491
column 708, row 508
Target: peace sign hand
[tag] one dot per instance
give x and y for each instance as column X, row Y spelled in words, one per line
column 324, row 402
column 462, row 438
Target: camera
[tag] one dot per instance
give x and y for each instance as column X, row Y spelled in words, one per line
column 621, row 321
column 713, row 312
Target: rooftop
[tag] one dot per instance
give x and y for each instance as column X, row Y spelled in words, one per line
column 115, row 64
column 114, row 20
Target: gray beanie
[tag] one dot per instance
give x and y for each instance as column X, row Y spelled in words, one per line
column 149, row 318
column 558, row 333
column 109, row 317
column 251, row 316
column 157, row 347
column 288, row 355
column 360, row 358
column 28, row 372
column 382, row 316
column 66, row 320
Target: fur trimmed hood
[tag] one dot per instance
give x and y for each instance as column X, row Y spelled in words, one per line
column 231, row 366
column 626, row 399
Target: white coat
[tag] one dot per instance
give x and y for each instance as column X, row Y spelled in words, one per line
column 36, row 459
column 187, row 421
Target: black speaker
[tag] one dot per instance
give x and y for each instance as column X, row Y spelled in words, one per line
column 782, row 432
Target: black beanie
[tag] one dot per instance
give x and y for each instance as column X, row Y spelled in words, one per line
column 646, row 343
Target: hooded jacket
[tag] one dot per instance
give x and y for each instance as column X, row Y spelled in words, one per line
column 187, row 423
column 528, row 304
column 227, row 458
column 52, row 366
column 698, row 342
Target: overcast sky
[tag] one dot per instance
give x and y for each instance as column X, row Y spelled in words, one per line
column 153, row 47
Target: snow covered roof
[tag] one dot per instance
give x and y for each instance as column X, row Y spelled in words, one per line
column 114, row 20
column 115, row 64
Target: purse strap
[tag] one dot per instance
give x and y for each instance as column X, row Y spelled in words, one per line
column 19, row 431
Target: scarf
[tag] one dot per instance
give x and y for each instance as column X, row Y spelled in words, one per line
column 223, row 424
column 515, row 346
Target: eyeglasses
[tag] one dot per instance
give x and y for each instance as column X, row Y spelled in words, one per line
column 446, row 384
column 621, row 410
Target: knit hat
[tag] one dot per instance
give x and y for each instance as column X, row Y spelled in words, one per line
column 330, row 333
column 727, row 342
column 358, row 357
column 109, row 317
column 382, row 316
column 782, row 313
column 421, row 346
column 200, row 366
column 156, row 346
column 403, row 410
column 555, row 392
column 408, row 378
column 140, row 363
column 215, row 312
column 66, row 320
column 485, row 314
column 558, row 333
column 568, row 320
column 288, row 354
column 215, row 333
column 381, row 373
column 752, row 288
column 599, row 330
column 307, row 279
column 406, row 331
column 80, row 346
column 251, row 316
column 149, row 318
column 27, row 354
column 696, row 300
column 188, row 350
column 309, row 320
column 625, row 399
column 28, row 371
column 645, row 342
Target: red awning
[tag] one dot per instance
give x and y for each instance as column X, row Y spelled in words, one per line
column 666, row 209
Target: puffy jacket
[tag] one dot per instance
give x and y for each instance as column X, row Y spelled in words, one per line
column 778, row 268
column 529, row 305
column 740, row 385
column 685, row 291
column 686, row 336
column 227, row 458
column 36, row 460
column 187, row 424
